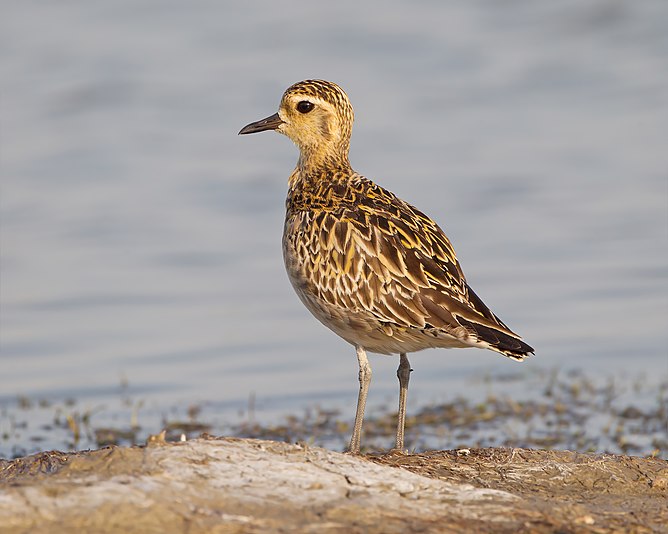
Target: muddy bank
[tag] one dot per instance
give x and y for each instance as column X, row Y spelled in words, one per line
column 239, row 485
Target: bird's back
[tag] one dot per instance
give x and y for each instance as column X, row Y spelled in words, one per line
column 380, row 273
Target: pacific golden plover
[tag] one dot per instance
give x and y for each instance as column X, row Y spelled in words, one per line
column 369, row 266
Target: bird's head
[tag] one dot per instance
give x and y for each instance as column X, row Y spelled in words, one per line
column 316, row 115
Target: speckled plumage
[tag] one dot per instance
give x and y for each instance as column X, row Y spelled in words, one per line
column 368, row 265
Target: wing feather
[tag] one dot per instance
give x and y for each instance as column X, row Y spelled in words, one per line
column 391, row 260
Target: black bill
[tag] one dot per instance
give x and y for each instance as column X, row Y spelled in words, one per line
column 270, row 123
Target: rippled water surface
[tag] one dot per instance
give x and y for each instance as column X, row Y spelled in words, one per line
column 140, row 236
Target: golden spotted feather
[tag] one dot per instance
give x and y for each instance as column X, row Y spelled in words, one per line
column 379, row 272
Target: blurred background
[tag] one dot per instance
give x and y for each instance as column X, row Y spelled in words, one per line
column 141, row 237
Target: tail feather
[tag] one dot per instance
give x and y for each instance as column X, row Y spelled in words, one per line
column 507, row 345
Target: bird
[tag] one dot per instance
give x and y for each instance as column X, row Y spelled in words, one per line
column 368, row 265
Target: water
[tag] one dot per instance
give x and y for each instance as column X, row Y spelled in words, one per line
column 140, row 236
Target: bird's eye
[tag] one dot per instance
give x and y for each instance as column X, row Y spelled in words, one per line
column 305, row 106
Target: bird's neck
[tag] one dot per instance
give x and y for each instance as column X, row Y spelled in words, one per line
column 319, row 166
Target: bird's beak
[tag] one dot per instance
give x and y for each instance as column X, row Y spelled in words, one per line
column 270, row 123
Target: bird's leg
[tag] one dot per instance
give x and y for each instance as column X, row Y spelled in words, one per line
column 365, row 379
column 404, row 374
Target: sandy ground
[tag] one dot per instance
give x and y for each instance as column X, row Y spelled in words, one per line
column 243, row 485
